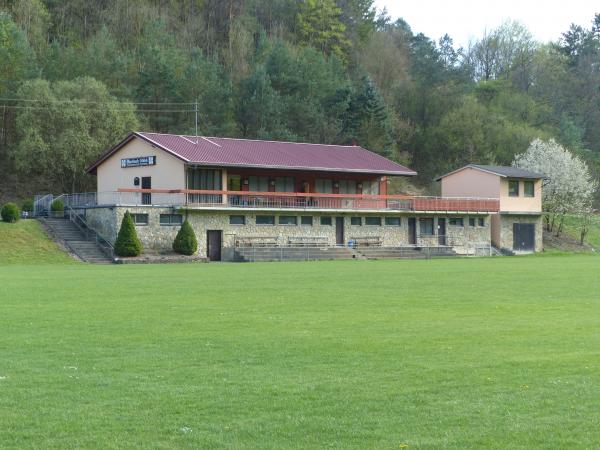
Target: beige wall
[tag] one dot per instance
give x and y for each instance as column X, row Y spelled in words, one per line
column 168, row 173
column 520, row 203
column 470, row 182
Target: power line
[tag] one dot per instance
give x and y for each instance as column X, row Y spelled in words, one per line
column 91, row 102
column 40, row 108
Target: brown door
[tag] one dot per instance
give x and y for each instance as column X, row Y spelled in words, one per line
column 412, row 231
column 213, row 245
column 339, row 231
column 146, row 184
column 441, row 231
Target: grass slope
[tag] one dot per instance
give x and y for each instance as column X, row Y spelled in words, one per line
column 593, row 236
column 464, row 353
column 25, row 242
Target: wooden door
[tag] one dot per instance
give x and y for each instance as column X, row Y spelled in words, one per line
column 213, row 244
column 339, row 231
column 441, row 231
column 524, row 236
column 412, row 231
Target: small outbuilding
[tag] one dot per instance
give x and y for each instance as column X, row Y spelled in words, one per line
column 518, row 225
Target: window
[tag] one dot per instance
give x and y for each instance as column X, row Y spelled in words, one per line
column 471, row 221
column 373, row 221
column 140, row 219
column 528, row 189
column 285, row 184
column 357, row 221
column 481, row 221
column 370, row 187
column 237, row 220
column 326, row 220
column 456, row 222
column 323, row 186
column 258, row 184
column 347, row 187
column 288, row 220
column 393, row 221
column 235, row 183
column 426, row 227
column 513, row 188
column 171, row 219
column 306, row 220
column 265, row 220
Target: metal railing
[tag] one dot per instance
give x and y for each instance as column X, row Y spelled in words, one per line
column 279, row 200
column 89, row 232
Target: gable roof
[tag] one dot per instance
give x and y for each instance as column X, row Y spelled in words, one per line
column 501, row 171
column 229, row 152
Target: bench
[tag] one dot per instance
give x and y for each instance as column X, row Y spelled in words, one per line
column 308, row 241
column 366, row 241
column 256, row 241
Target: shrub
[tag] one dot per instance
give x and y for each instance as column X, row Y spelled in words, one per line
column 27, row 205
column 10, row 213
column 128, row 243
column 57, row 206
column 185, row 242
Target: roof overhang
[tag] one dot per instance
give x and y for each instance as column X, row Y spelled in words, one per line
column 92, row 169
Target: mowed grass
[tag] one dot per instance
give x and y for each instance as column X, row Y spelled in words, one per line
column 462, row 353
column 25, row 242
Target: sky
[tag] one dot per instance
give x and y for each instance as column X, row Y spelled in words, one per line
column 468, row 19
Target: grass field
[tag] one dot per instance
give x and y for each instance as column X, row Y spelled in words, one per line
column 25, row 242
column 463, row 353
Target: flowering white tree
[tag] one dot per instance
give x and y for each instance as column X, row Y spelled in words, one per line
column 569, row 188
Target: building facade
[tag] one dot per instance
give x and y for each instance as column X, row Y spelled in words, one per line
column 240, row 193
column 518, row 225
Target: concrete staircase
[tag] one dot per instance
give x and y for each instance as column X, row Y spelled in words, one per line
column 86, row 249
column 250, row 254
column 404, row 252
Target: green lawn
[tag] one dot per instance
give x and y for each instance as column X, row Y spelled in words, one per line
column 462, row 353
column 572, row 228
column 25, row 242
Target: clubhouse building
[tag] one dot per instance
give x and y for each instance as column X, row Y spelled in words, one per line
column 240, row 194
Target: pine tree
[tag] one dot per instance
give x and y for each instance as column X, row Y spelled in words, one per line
column 128, row 243
column 185, row 242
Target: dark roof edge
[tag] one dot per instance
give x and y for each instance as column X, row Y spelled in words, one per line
column 481, row 168
column 126, row 140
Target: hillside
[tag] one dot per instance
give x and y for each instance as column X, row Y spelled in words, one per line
column 25, row 242
column 77, row 76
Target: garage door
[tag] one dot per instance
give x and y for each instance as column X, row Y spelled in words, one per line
column 524, row 236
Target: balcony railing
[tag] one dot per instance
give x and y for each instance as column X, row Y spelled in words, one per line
column 213, row 199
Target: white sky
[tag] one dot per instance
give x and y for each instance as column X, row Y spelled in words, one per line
column 467, row 19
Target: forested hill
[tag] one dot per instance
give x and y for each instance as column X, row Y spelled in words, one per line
column 77, row 75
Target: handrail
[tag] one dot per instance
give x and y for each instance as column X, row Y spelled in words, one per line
column 100, row 240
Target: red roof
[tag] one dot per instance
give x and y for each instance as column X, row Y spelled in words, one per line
column 229, row 152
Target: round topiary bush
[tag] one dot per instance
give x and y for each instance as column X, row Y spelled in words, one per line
column 10, row 213
column 27, row 205
column 185, row 242
column 128, row 243
column 57, row 206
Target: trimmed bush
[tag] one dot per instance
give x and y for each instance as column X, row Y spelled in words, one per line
column 128, row 243
column 27, row 205
column 185, row 242
column 10, row 213
column 57, row 206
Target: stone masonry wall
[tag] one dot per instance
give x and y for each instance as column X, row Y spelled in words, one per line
column 159, row 238
column 506, row 230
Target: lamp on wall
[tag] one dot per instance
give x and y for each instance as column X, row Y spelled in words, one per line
column 245, row 181
column 336, row 184
column 271, row 182
column 136, row 181
column 359, row 185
